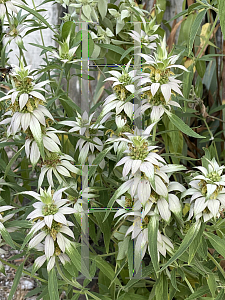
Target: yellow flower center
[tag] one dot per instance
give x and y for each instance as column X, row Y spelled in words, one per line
column 52, row 160
column 139, row 152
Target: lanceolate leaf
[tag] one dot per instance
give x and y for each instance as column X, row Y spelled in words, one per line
column 16, row 281
column 15, row 156
column 161, row 289
column 221, row 8
column 6, row 236
column 114, row 48
column 97, row 160
column 120, row 191
column 200, row 292
column 195, row 27
column 212, row 283
column 153, row 227
column 196, row 243
column 188, row 239
column 106, row 268
column 220, row 295
column 181, row 125
column 216, row 242
column 53, row 285
column 38, row 16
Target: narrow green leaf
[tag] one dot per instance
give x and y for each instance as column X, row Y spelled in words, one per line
column 182, row 126
column 221, row 8
column 75, row 257
column 97, row 161
column 130, row 258
column 15, row 156
column 200, row 292
column 44, row 48
column 184, row 12
column 196, row 243
column 153, row 227
column 212, row 284
column 161, row 289
column 201, row 68
column 106, row 268
column 4, row 144
column 26, row 240
column 113, row 48
column 66, row 102
column 216, row 242
column 173, row 279
column 126, row 53
column 105, row 228
column 16, row 281
column 146, row 272
column 53, row 285
column 43, row 294
column 120, row 191
column 220, row 296
column 188, row 239
column 76, row 297
column 194, row 6
column 38, row 16
column 6, row 236
column 209, row 74
column 194, row 29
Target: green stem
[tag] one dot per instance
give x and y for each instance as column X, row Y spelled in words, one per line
column 76, row 285
column 189, row 285
column 22, row 55
column 154, row 132
column 68, row 84
column 60, row 79
column 207, row 39
column 64, row 277
column 24, row 271
column 211, row 7
column 217, row 264
column 7, row 15
column 212, row 138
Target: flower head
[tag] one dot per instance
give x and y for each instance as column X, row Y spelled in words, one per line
column 123, row 82
column 58, row 164
column 49, row 218
column 207, row 192
column 159, row 82
column 66, row 53
column 86, row 127
column 26, row 93
column 141, row 156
